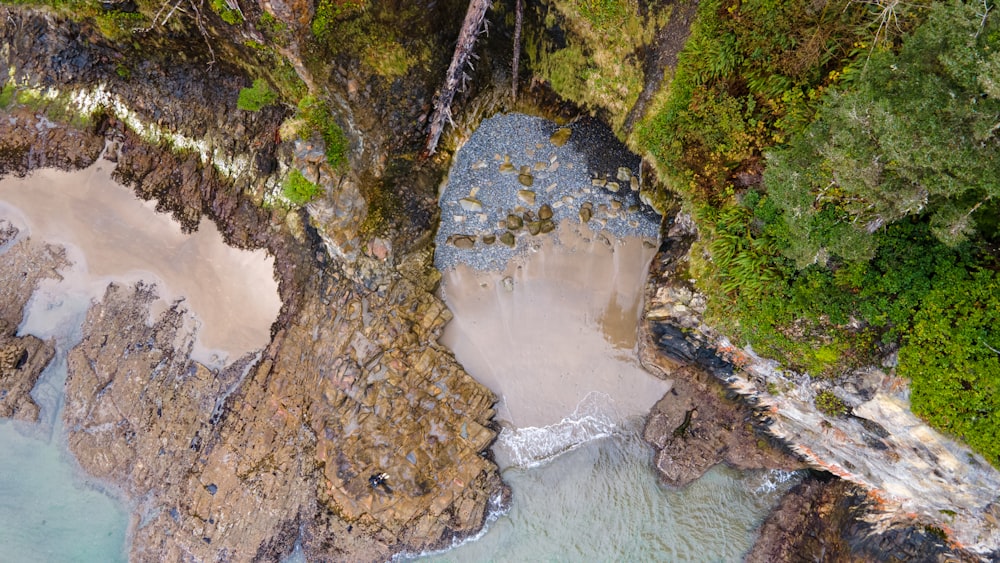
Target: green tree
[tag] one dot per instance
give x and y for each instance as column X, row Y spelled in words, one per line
column 914, row 133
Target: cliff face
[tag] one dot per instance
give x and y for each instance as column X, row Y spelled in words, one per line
column 241, row 463
column 910, row 472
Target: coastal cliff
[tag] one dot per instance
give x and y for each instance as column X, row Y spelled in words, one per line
column 278, row 448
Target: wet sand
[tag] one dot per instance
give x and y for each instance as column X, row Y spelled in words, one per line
column 110, row 234
column 565, row 331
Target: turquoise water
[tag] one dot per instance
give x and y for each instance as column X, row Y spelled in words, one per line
column 602, row 502
column 47, row 512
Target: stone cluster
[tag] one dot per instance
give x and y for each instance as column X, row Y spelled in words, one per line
column 518, row 178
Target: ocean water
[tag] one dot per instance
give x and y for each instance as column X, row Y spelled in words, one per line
column 48, row 512
column 602, row 502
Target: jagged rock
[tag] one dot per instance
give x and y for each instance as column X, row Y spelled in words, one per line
column 22, row 359
column 514, row 222
column 716, row 434
column 545, row 212
column 526, row 196
column 827, row 516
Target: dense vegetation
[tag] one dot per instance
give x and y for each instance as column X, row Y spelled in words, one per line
column 842, row 162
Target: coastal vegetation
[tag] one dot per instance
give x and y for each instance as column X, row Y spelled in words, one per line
column 841, row 161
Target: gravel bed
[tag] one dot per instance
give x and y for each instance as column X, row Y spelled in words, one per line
column 512, row 164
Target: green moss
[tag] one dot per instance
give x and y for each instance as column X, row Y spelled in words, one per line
column 257, row 96
column 388, row 58
column 371, row 33
column 57, row 108
column 318, row 117
column 271, row 25
column 7, row 95
column 117, row 25
column 298, row 189
column 228, row 15
column 598, row 65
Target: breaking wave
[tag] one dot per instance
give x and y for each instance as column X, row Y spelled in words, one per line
column 773, row 479
column 594, row 418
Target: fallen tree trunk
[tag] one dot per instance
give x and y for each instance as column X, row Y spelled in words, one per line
column 518, row 14
column 456, row 77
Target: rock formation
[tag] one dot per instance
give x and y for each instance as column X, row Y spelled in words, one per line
column 877, row 444
column 242, row 463
column 22, row 358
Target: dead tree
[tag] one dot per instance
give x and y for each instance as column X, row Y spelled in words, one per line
column 456, row 77
column 518, row 14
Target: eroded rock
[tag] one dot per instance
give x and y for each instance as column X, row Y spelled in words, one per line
column 22, row 358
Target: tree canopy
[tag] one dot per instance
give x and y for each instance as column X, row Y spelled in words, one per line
column 908, row 133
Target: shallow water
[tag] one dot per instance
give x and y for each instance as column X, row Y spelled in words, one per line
column 560, row 351
column 111, row 234
column 48, row 511
column 601, row 502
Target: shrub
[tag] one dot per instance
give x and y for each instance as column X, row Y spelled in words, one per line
column 830, row 404
column 256, row 97
column 952, row 360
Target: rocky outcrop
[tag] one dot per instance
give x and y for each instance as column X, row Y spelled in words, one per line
column 695, row 427
column 22, row 358
column 241, row 463
column 879, row 444
column 824, row 518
